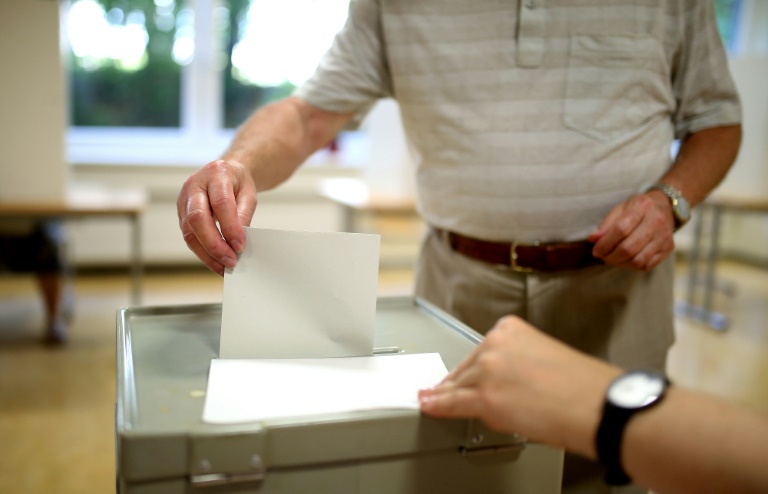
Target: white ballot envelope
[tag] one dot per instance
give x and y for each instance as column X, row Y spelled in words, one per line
column 296, row 294
column 257, row 390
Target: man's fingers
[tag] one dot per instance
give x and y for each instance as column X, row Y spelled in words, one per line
column 653, row 254
column 195, row 246
column 637, row 244
column 220, row 192
column 246, row 205
column 609, row 219
column 199, row 227
column 232, row 194
column 615, row 234
column 639, row 249
column 222, row 188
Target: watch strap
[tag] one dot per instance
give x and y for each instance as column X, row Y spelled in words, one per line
column 610, row 434
column 609, row 438
column 667, row 189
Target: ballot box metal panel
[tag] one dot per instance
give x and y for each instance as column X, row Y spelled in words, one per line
column 163, row 357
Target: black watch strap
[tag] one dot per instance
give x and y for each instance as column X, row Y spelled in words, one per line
column 610, row 432
column 609, row 436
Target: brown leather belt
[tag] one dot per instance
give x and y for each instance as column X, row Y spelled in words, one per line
column 544, row 257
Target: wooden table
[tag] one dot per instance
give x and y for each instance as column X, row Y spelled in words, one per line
column 712, row 209
column 86, row 204
column 356, row 198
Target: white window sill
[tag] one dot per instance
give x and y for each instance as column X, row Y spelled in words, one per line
column 172, row 147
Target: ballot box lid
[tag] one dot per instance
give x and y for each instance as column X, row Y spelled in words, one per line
column 163, row 358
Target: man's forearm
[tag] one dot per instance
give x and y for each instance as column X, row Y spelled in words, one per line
column 703, row 161
column 278, row 138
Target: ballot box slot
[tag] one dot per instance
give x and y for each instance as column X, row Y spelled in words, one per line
column 387, row 350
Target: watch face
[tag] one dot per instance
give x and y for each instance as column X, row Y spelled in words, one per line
column 683, row 209
column 636, row 389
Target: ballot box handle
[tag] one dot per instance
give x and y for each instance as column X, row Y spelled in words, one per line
column 218, row 479
column 481, row 441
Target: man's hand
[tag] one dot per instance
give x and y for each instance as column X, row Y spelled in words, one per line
column 636, row 234
column 521, row 380
column 221, row 191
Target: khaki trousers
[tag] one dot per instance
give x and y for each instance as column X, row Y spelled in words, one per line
column 619, row 315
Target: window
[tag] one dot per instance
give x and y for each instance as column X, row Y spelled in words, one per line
column 728, row 18
column 167, row 81
column 270, row 50
column 124, row 69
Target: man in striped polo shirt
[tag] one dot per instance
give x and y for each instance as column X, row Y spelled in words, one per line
column 542, row 131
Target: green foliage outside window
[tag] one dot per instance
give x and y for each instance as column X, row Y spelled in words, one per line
column 242, row 97
column 106, row 92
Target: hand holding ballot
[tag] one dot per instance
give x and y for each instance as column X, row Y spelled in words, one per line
column 220, row 191
column 521, row 380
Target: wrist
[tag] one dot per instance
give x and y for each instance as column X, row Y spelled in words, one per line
column 662, row 203
column 677, row 203
column 234, row 161
column 585, row 414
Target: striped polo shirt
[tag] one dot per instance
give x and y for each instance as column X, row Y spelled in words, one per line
column 529, row 120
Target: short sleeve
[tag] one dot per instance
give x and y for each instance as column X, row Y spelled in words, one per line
column 702, row 82
column 353, row 74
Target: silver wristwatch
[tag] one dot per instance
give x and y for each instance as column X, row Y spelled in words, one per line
column 681, row 210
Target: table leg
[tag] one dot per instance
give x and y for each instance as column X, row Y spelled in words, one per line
column 136, row 260
column 714, row 319
column 704, row 312
column 349, row 219
column 709, row 278
column 693, row 258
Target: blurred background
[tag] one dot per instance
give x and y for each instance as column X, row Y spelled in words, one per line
column 114, row 103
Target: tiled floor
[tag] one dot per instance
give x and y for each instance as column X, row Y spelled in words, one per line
column 56, row 405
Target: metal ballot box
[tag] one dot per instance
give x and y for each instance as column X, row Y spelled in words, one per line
column 163, row 446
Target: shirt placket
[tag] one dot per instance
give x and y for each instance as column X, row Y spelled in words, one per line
column 530, row 33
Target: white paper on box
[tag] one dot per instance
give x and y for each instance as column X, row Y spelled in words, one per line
column 257, row 390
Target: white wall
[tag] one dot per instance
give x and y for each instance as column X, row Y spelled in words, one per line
column 390, row 166
column 749, row 175
column 745, row 235
column 32, row 102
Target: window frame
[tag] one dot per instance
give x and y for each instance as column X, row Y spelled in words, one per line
column 200, row 138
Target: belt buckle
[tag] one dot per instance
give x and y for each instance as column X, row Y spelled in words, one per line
column 513, row 257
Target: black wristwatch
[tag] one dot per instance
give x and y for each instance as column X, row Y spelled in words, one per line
column 681, row 210
column 627, row 395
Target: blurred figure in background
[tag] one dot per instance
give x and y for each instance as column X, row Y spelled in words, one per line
column 38, row 248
